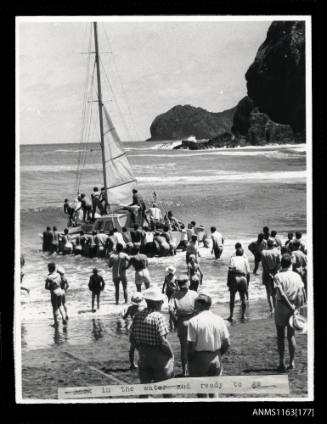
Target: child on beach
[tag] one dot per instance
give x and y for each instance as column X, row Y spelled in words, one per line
column 137, row 305
column 96, row 286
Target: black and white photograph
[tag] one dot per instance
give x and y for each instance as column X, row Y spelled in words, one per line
column 163, row 218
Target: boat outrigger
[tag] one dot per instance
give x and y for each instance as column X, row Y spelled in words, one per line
column 118, row 177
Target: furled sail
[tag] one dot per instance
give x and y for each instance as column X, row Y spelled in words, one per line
column 119, row 174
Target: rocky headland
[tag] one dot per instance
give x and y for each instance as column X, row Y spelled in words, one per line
column 272, row 112
column 185, row 121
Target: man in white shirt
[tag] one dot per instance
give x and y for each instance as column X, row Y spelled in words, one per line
column 238, row 280
column 217, row 242
column 290, row 295
column 155, row 216
column 118, row 238
column 208, row 340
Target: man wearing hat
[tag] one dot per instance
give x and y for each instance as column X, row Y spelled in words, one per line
column 290, row 295
column 182, row 307
column 208, row 339
column 149, row 334
column 270, row 259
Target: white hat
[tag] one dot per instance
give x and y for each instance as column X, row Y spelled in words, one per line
column 153, row 293
column 170, row 270
column 298, row 322
column 60, row 269
column 136, row 298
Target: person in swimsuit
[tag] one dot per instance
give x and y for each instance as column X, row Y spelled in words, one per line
column 68, row 210
column 55, row 240
column 192, row 248
column 194, row 273
column 64, row 287
column 140, row 264
column 238, row 279
column 53, row 284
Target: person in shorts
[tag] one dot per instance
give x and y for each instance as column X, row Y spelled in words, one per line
column 118, row 262
column 140, row 264
column 290, row 295
column 149, row 334
column 64, row 287
column 270, row 259
column 182, row 308
column 237, row 281
column 53, row 284
column 208, row 340
column 194, row 273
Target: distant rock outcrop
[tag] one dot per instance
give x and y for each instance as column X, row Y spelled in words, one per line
column 223, row 140
column 257, row 128
column 272, row 112
column 276, row 79
column 185, row 121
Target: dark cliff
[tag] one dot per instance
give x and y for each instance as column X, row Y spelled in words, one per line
column 276, row 79
column 185, row 121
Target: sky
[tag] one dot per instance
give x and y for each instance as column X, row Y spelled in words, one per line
column 150, row 66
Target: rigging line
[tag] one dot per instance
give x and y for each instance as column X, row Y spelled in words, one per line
column 86, row 129
column 121, row 83
column 115, row 99
column 84, row 111
column 84, row 105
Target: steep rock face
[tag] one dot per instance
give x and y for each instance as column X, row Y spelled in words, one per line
column 185, row 121
column 263, row 130
column 257, row 128
column 276, row 79
column 241, row 121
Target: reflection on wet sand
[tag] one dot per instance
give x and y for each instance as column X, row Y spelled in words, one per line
column 60, row 337
column 97, row 329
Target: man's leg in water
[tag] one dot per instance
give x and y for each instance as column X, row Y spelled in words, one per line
column 268, row 298
column 98, row 300
column 243, row 304
column 231, row 304
column 61, row 309
column 256, row 263
column 131, row 356
column 124, row 283
column 93, row 297
column 116, row 283
column 54, row 304
column 281, row 346
column 63, row 301
column 291, row 345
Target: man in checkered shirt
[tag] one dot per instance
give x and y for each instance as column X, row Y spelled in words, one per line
column 149, row 333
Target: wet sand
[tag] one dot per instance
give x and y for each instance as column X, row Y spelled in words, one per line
column 68, row 362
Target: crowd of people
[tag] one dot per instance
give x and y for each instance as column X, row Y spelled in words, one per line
column 203, row 335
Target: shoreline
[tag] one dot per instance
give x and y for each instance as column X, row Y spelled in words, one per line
column 253, row 351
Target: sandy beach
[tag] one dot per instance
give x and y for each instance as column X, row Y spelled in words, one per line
column 253, row 351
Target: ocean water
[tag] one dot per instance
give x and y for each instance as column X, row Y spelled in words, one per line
column 238, row 190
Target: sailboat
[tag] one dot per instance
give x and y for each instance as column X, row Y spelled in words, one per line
column 117, row 173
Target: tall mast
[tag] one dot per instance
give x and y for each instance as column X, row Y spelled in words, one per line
column 100, row 104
